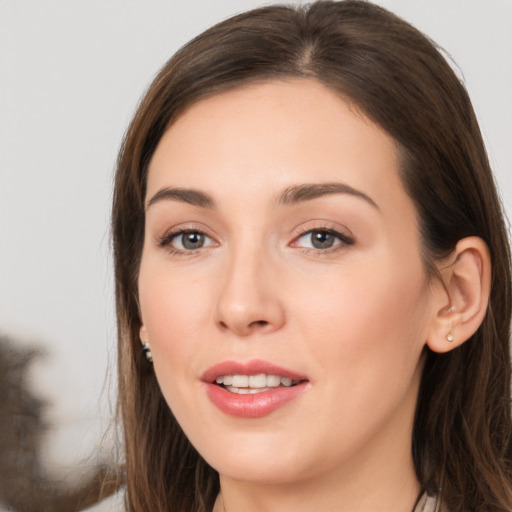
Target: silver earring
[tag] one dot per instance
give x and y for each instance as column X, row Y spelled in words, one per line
column 450, row 335
column 146, row 350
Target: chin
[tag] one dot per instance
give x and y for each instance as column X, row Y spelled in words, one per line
column 264, row 459
column 259, row 472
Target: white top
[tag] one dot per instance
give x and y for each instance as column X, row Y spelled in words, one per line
column 429, row 504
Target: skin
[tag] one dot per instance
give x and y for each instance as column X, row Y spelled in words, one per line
column 353, row 318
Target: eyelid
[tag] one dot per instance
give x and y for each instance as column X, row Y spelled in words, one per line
column 165, row 240
column 172, row 234
column 342, row 233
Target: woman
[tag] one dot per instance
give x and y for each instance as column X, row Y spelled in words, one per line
column 310, row 249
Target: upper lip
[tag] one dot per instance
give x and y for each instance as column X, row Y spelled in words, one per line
column 253, row 367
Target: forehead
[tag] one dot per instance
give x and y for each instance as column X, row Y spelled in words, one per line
column 271, row 135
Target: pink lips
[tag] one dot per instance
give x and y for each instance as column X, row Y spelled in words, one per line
column 259, row 404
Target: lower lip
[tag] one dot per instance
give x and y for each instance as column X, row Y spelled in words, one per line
column 253, row 406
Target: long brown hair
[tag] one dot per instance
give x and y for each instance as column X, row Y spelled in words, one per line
column 462, row 433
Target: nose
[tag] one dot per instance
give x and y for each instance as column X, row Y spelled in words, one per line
column 249, row 300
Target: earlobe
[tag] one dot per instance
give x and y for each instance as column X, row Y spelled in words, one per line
column 143, row 334
column 146, row 349
column 466, row 281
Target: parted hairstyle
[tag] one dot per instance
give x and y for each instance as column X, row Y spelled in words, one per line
column 396, row 76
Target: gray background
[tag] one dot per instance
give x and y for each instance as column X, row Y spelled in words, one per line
column 71, row 74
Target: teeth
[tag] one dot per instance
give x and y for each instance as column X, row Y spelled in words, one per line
column 240, row 381
column 286, row 382
column 246, row 384
column 245, row 391
column 273, row 381
column 258, row 381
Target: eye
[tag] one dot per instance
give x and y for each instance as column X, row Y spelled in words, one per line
column 322, row 239
column 186, row 241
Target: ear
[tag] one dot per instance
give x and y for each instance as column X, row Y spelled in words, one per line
column 466, row 279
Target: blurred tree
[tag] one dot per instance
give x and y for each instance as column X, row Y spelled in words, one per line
column 24, row 484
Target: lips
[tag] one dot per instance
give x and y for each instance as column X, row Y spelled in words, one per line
column 252, row 390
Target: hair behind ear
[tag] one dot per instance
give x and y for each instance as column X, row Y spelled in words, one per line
column 462, row 433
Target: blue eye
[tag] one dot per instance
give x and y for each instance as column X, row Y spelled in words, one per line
column 184, row 241
column 323, row 239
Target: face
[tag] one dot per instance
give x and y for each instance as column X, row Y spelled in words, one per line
column 281, row 285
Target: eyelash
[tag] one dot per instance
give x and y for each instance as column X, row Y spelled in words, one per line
column 167, row 239
column 343, row 241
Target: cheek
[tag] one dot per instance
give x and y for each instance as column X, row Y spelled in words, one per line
column 368, row 322
column 174, row 314
column 170, row 300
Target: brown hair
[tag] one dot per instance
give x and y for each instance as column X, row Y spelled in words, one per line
column 462, row 434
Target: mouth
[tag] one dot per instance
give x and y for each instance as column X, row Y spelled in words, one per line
column 253, row 389
column 253, row 384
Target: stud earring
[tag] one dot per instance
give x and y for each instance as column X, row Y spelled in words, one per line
column 146, row 350
column 450, row 335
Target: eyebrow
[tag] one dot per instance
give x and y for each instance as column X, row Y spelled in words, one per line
column 184, row 195
column 308, row 191
column 291, row 195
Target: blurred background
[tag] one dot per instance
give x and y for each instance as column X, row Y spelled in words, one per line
column 71, row 75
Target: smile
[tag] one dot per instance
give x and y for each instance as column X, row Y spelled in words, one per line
column 252, row 390
column 252, row 384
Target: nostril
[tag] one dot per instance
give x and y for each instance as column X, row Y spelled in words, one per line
column 245, row 328
column 259, row 323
